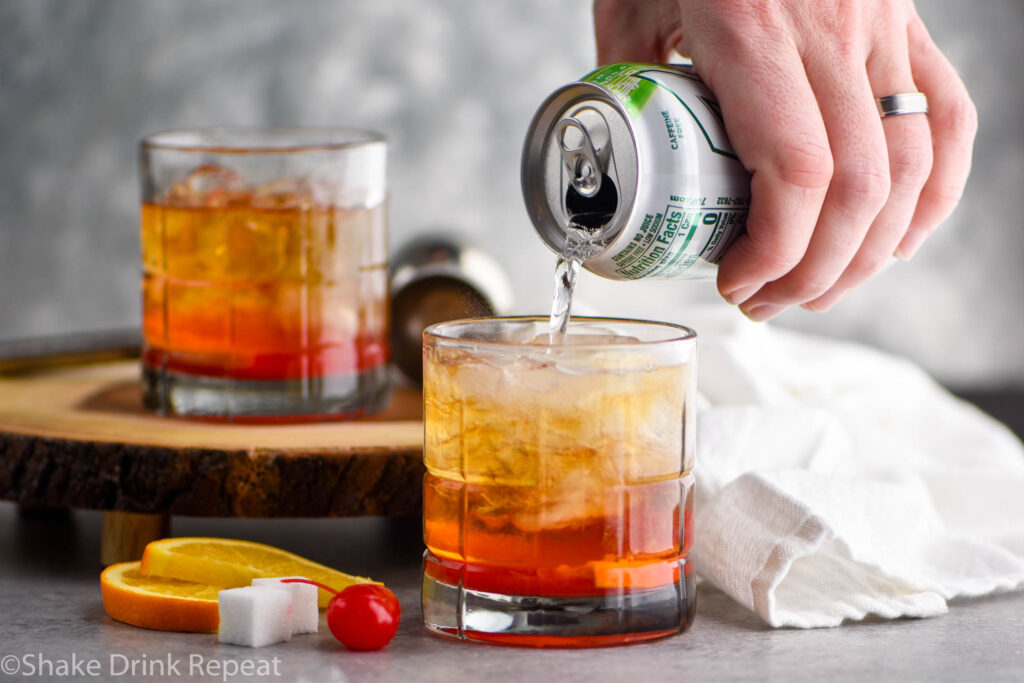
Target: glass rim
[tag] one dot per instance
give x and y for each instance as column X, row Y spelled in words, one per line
column 435, row 332
column 260, row 139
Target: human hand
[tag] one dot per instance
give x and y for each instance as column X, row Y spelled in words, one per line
column 836, row 190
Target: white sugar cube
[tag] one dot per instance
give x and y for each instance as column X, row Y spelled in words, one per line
column 305, row 611
column 255, row 616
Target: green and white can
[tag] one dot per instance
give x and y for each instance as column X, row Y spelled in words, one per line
column 638, row 155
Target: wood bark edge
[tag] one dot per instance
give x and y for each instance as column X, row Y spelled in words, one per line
column 36, row 470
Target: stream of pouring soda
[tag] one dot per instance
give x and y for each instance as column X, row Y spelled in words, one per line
column 579, row 246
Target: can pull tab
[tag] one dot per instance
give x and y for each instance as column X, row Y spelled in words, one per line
column 579, row 155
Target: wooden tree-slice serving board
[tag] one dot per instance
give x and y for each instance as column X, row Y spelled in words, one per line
column 80, row 438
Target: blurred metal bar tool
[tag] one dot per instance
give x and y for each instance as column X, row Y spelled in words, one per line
column 435, row 278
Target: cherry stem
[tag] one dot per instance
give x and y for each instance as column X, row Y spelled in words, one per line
column 311, row 583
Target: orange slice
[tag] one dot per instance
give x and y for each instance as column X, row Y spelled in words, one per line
column 158, row 603
column 231, row 563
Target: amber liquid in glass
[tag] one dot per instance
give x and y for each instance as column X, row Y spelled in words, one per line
column 265, row 290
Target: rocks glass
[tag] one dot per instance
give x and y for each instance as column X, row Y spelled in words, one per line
column 558, row 499
column 264, row 286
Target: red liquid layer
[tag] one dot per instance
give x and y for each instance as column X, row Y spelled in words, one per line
column 637, row 544
column 249, row 361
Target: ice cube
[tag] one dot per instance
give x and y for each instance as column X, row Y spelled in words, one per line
column 255, row 616
column 305, row 612
column 284, row 193
column 208, row 185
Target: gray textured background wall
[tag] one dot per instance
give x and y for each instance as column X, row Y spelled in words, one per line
column 453, row 84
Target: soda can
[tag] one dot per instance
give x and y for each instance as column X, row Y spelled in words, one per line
column 638, row 155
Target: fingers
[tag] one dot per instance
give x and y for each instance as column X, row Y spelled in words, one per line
column 929, row 156
column 629, row 31
column 778, row 133
column 954, row 122
column 908, row 141
column 859, row 185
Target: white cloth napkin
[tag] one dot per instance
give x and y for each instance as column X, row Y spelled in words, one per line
column 834, row 481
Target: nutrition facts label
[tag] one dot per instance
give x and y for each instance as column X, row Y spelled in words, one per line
column 676, row 240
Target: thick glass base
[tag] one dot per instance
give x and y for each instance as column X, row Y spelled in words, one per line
column 612, row 618
column 228, row 399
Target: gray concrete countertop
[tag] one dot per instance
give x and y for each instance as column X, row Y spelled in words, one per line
column 52, row 612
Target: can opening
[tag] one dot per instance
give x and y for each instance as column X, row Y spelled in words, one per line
column 579, row 166
column 593, row 212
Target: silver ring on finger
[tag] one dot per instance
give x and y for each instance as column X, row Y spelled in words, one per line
column 902, row 103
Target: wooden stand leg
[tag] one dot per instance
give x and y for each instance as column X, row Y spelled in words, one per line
column 125, row 534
